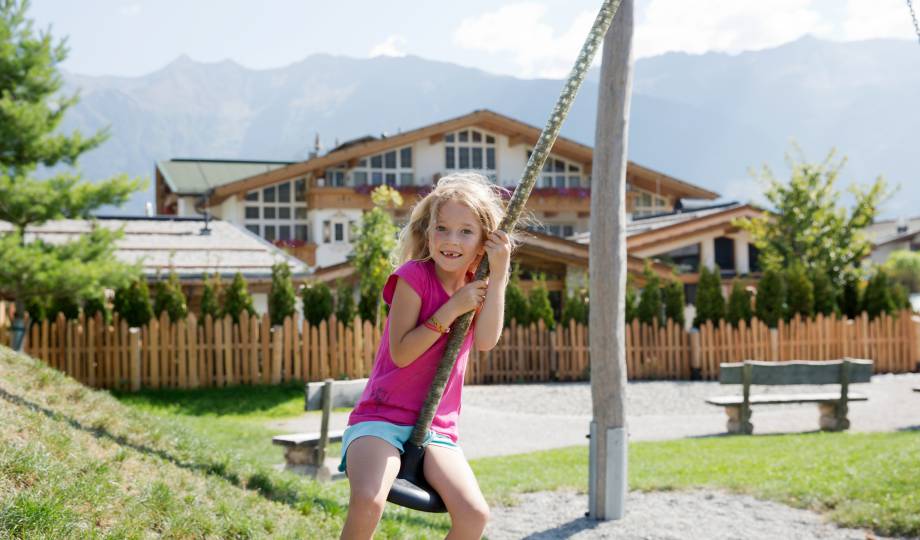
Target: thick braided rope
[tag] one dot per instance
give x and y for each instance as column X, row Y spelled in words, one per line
column 515, row 207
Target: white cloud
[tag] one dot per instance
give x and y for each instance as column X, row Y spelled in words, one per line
column 723, row 25
column 393, row 45
column 521, row 31
column 867, row 19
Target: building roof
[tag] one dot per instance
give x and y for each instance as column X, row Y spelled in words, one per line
column 645, row 232
column 518, row 132
column 196, row 176
column 163, row 244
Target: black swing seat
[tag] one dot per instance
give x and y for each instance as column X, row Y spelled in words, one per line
column 410, row 488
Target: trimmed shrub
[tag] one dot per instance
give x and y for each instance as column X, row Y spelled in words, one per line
column 878, row 297
column 317, row 302
column 674, row 301
column 632, row 302
column 771, row 298
column 800, row 296
column 739, row 304
column 901, row 297
column 66, row 305
column 168, row 297
column 516, row 306
column 237, row 299
column 825, row 295
column 282, row 300
column 345, row 303
column 37, row 308
column 132, row 303
column 575, row 307
column 850, row 297
column 540, row 307
column 710, row 304
column 650, row 299
column 97, row 304
column 210, row 299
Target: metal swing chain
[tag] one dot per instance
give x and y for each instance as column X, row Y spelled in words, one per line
column 913, row 17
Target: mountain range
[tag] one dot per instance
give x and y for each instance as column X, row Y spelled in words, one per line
column 708, row 119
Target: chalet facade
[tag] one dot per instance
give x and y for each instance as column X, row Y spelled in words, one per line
column 312, row 206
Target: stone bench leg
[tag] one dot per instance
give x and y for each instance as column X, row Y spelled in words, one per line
column 832, row 417
column 299, row 455
column 735, row 424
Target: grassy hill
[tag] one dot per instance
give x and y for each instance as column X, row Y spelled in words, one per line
column 77, row 463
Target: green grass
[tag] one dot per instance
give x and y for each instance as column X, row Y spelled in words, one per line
column 79, row 463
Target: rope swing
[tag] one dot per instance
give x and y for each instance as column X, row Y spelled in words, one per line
column 410, row 488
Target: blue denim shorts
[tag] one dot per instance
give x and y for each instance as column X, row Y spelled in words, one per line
column 394, row 434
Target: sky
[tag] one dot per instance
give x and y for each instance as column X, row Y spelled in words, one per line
column 526, row 39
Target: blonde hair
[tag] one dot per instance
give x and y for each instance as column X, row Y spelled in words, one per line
column 470, row 189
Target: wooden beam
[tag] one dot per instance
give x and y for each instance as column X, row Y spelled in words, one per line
column 436, row 138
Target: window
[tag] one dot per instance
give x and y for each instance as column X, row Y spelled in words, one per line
column 301, row 232
column 339, row 232
column 470, row 149
column 281, row 208
column 393, row 167
column 647, row 204
column 284, row 192
column 327, row 232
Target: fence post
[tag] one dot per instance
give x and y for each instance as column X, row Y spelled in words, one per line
column 276, row 355
column 135, row 359
column 774, row 345
column 696, row 366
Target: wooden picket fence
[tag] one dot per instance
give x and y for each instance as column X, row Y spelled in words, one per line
column 219, row 352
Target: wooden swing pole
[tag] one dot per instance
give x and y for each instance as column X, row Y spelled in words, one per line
column 515, row 207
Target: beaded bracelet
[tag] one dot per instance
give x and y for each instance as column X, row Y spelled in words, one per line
column 433, row 324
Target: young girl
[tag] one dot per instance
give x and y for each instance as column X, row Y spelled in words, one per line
column 448, row 233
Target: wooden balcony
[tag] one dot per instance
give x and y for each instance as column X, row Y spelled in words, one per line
column 559, row 200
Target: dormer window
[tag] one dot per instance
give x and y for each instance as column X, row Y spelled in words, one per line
column 470, row 149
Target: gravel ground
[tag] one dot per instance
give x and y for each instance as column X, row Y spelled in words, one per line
column 712, row 515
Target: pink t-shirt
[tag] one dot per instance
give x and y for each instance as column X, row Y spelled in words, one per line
column 394, row 394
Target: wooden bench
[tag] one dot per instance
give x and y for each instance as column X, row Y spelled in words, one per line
column 832, row 405
column 305, row 453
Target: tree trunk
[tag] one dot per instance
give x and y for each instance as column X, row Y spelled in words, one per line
column 608, row 273
column 19, row 326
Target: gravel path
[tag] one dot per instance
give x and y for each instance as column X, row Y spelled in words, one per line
column 711, row 515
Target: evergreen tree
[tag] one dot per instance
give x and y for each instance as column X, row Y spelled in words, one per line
column 710, row 304
column 210, row 299
column 97, row 304
column 317, row 302
column 800, row 297
column 37, row 308
column 516, row 305
column 66, row 305
column 32, row 106
column 575, row 307
column 900, row 296
column 282, row 300
column 850, row 298
column 168, row 297
column 825, row 295
column 540, row 307
column 739, row 304
column 650, row 298
column 632, row 301
column 344, row 303
column 771, row 297
column 237, row 299
column 132, row 303
column 878, row 297
column 674, row 301
column 376, row 240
